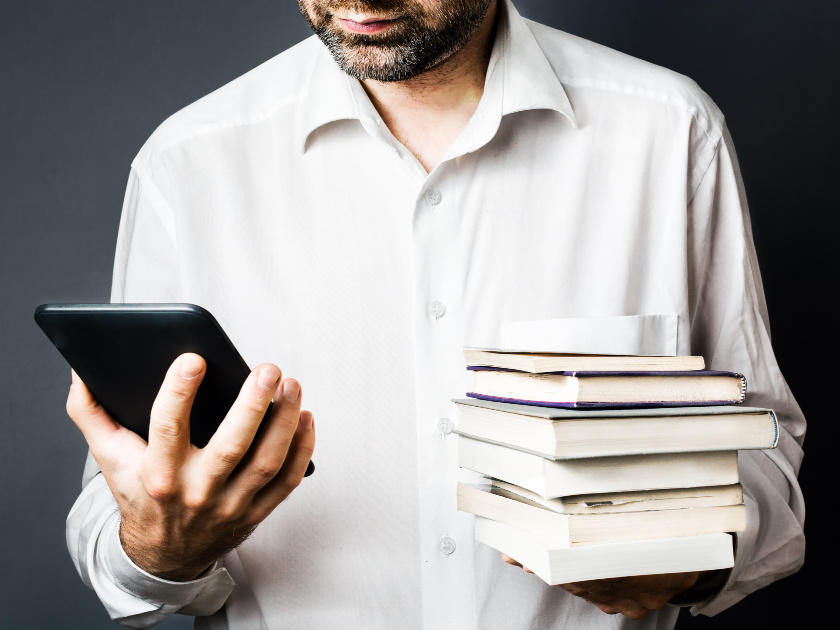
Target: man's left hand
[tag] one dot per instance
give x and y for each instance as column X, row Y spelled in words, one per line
column 633, row 597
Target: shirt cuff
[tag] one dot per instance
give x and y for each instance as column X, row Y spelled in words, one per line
column 145, row 599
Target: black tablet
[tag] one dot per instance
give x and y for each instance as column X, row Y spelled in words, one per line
column 122, row 352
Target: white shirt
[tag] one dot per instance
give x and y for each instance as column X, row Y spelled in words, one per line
column 587, row 184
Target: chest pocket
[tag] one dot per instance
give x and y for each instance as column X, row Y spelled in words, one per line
column 652, row 335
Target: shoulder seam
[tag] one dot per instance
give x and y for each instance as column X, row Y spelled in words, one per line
column 204, row 130
column 645, row 94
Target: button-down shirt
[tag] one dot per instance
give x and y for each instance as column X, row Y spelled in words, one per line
column 587, row 184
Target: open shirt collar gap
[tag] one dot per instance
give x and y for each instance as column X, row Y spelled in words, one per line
column 519, row 78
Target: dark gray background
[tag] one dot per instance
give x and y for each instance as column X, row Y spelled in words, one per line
column 83, row 84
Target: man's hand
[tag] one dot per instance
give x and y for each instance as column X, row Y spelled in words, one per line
column 182, row 507
column 633, row 597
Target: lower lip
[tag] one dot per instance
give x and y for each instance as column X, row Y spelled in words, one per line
column 368, row 27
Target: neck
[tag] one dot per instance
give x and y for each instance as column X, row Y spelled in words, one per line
column 428, row 111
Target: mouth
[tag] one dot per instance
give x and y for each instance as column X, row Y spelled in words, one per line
column 367, row 26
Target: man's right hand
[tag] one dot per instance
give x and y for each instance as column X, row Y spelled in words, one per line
column 182, row 507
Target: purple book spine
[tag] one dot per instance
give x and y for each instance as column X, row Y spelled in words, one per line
column 597, row 405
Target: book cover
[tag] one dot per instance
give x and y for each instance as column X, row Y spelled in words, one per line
column 614, row 404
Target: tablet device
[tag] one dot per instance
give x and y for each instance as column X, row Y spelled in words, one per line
column 123, row 351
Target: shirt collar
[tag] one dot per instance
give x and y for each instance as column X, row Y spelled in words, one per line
column 330, row 96
column 519, row 78
column 529, row 80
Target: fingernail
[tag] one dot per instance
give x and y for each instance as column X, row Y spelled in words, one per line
column 307, row 420
column 190, row 368
column 268, row 378
column 291, row 390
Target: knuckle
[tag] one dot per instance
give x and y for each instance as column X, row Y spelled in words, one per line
column 77, row 407
column 229, row 512
column 255, row 405
column 180, row 390
column 230, row 454
column 288, row 423
column 307, row 450
column 172, row 401
column 71, row 406
column 167, row 427
column 197, row 500
column 264, row 469
column 160, row 488
column 290, row 483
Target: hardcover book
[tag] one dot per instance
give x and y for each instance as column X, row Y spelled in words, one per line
column 569, row 433
column 544, row 362
column 609, row 389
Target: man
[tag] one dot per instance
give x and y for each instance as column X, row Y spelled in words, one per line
column 358, row 209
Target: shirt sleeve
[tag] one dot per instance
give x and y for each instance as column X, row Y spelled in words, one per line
column 730, row 328
column 145, row 270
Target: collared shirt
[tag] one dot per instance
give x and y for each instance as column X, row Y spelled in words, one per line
column 587, row 184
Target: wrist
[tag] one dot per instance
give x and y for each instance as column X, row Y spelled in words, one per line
column 163, row 566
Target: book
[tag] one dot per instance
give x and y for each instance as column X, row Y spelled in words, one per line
column 633, row 501
column 569, row 433
column 566, row 477
column 560, row 565
column 567, row 530
column 609, row 389
column 539, row 363
column 623, row 335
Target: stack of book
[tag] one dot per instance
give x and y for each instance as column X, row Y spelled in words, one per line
column 606, row 466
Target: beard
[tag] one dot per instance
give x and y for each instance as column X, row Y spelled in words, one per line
column 418, row 40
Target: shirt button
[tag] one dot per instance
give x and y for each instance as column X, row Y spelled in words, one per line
column 446, row 426
column 437, row 309
column 434, row 196
column 446, row 546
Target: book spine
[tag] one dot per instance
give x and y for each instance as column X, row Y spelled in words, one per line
column 775, row 429
column 614, row 405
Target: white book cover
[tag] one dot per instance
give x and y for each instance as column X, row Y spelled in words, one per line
column 561, row 565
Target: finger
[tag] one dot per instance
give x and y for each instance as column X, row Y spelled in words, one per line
column 649, row 601
column 606, row 609
column 626, row 607
column 598, row 592
column 267, row 456
column 596, row 587
column 291, row 474
column 608, row 591
column 510, row 560
column 513, row 562
column 169, row 422
column 97, row 427
column 233, row 438
column 651, row 591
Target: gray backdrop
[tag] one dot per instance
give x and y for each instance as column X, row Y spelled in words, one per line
column 82, row 84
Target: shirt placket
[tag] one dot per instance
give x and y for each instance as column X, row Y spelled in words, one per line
column 445, row 534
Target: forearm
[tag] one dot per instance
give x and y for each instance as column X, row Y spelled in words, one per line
column 773, row 545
